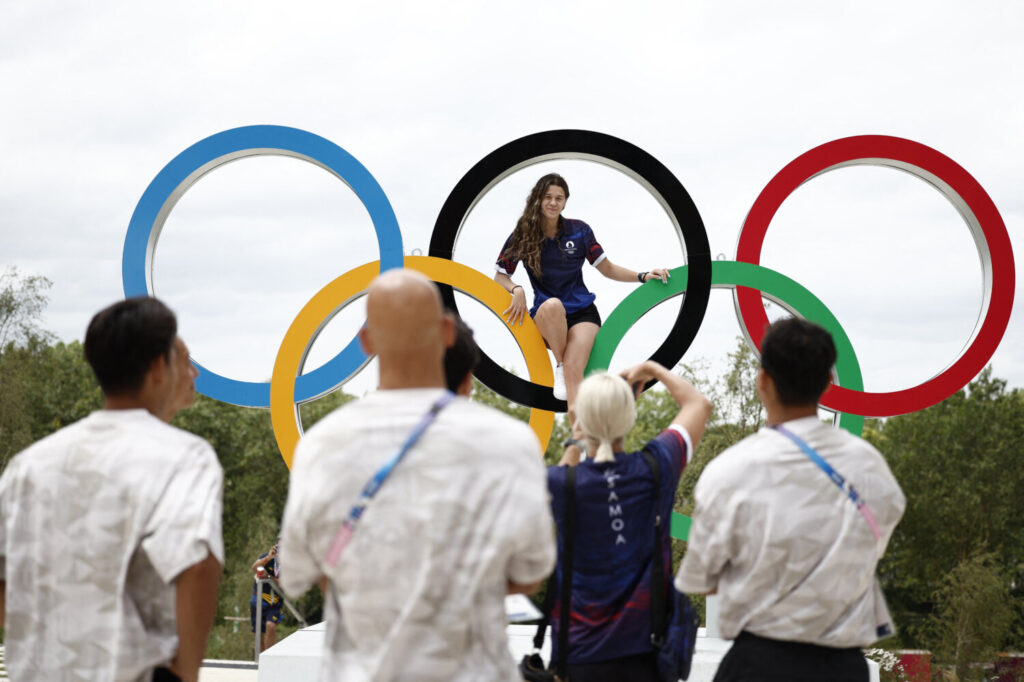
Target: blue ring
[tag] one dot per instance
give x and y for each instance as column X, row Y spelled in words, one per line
column 202, row 157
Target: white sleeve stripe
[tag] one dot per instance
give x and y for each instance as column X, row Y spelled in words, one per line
column 686, row 439
column 599, row 259
column 500, row 269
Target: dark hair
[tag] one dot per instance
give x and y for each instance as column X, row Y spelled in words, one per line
column 798, row 355
column 461, row 357
column 123, row 340
column 528, row 235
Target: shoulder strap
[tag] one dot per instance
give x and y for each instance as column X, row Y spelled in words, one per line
column 658, row 620
column 348, row 527
column 565, row 589
column 835, row 477
column 565, row 593
column 549, row 602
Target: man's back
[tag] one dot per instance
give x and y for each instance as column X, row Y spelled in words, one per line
column 790, row 555
column 97, row 521
column 418, row 592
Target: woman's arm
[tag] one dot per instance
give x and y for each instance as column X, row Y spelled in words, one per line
column 571, row 454
column 694, row 408
column 517, row 308
column 621, row 274
column 265, row 559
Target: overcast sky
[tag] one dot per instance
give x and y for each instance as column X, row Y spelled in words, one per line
column 98, row 97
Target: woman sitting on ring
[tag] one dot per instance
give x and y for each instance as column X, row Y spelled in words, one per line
column 553, row 248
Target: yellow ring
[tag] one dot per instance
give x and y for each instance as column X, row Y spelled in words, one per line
column 284, row 412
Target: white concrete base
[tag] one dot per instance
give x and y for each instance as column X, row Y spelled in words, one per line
column 297, row 657
column 227, row 671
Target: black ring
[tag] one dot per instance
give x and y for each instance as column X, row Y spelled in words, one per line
column 611, row 151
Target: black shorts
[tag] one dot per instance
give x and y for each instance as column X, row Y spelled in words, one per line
column 759, row 659
column 588, row 314
column 269, row 613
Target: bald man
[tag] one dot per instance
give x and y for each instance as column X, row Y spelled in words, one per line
column 415, row 589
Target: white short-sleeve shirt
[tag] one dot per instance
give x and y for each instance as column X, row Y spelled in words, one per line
column 96, row 522
column 790, row 555
column 419, row 592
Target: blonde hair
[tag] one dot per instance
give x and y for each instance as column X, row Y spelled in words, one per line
column 605, row 412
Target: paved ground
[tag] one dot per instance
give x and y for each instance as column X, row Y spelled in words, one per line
column 212, row 671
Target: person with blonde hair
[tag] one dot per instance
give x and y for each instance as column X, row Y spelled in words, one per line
column 616, row 502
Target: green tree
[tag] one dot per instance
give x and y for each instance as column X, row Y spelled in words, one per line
column 42, row 388
column 22, row 344
column 973, row 611
column 958, row 464
column 972, row 614
column 737, row 412
column 22, row 301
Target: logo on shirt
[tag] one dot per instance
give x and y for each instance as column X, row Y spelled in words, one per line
column 570, row 247
column 615, row 508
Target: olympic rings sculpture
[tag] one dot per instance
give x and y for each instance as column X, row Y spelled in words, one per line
column 289, row 387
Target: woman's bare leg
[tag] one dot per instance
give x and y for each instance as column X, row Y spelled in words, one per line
column 579, row 343
column 550, row 320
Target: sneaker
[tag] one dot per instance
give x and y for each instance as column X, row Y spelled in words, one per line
column 559, row 388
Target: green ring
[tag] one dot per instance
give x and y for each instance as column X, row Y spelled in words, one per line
column 781, row 289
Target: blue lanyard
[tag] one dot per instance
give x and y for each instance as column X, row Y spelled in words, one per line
column 373, row 485
column 837, row 478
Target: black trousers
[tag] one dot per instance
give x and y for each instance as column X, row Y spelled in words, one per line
column 759, row 659
column 639, row 668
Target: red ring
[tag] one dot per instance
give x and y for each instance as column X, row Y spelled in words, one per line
column 927, row 164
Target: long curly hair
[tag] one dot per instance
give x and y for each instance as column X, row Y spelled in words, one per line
column 528, row 237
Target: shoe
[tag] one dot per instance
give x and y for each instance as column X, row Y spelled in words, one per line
column 559, row 388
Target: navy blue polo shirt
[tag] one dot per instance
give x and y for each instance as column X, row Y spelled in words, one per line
column 610, row 613
column 561, row 260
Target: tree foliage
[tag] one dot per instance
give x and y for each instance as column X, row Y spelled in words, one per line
column 958, row 463
column 973, row 613
column 737, row 412
column 22, row 302
column 42, row 388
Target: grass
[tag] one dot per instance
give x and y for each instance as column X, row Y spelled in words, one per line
column 226, row 644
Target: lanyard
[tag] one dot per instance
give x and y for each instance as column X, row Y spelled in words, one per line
column 348, row 528
column 837, row 478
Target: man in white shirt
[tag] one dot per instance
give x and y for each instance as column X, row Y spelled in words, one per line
column 110, row 529
column 789, row 553
column 418, row 591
